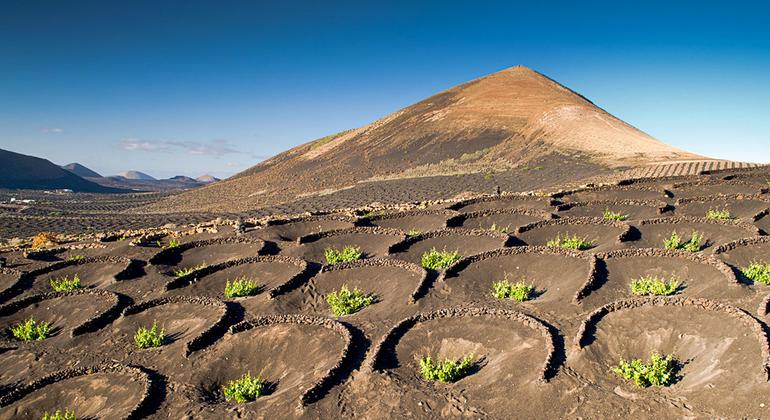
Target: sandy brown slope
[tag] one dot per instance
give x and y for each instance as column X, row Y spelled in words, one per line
column 496, row 122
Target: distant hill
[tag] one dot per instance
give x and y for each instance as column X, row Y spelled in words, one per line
column 81, row 170
column 179, row 182
column 19, row 171
column 495, row 123
column 182, row 178
column 136, row 175
column 207, row 179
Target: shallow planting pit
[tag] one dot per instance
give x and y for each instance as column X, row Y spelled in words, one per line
column 501, row 221
column 718, row 354
column 505, row 353
column 583, row 234
column 206, row 255
column 707, row 188
column 108, row 393
column 291, row 355
column 723, row 208
column 413, row 222
column 697, row 276
column 502, row 203
column 99, row 272
column 393, row 283
column 743, row 253
column 446, row 242
column 188, row 324
column 615, row 193
column 268, row 273
column 66, row 314
column 291, row 229
column 555, row 288
column 371, row 242
column 612, row 210
column 655, row 232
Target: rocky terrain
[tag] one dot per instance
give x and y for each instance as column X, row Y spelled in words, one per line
column 549, row 356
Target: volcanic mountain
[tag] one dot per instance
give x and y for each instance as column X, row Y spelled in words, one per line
column 29, row 172
column 81, row 170
column 498, row 122
column 136, row 175
column 207, row 179
column 138, row 181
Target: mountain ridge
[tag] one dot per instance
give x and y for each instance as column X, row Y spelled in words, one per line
column 19, row 171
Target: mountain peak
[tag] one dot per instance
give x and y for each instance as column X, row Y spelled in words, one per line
column 81, row 170
column 136, row 175
column 499, row 122
column 30, row 172
column 521, row 69
column 207, row 179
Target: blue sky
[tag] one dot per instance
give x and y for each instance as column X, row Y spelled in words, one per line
column 213, row 87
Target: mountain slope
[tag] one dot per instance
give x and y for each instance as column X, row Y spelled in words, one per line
column 497, row 122
column 207, row 179
column 136, row 175
column 81, row 170
column 29, row 172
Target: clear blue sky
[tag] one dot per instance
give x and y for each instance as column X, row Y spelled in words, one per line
column 191, row 87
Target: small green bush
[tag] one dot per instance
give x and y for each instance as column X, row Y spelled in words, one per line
column 660, row 371
column 695, row 243
column 189, row 270
column 436, row 260
column 241, row 287
column 567, row 242
column 345, row 301
column 372, row 213
column 612, row 215
column 59, row 415
column 413, row 232
column 173, row 243
column 652, row 285
column 445, row 371
column 30, row 330
column 348, row 253
column 519, row 291
column 674, row 242
column 758, row 272
column 500, row 229
column 65, row 284
column 715, row 214
column 245, row 389
column 74, row 258
column 147, row 338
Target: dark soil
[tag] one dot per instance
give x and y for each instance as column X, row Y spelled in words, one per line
column 312, row 371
